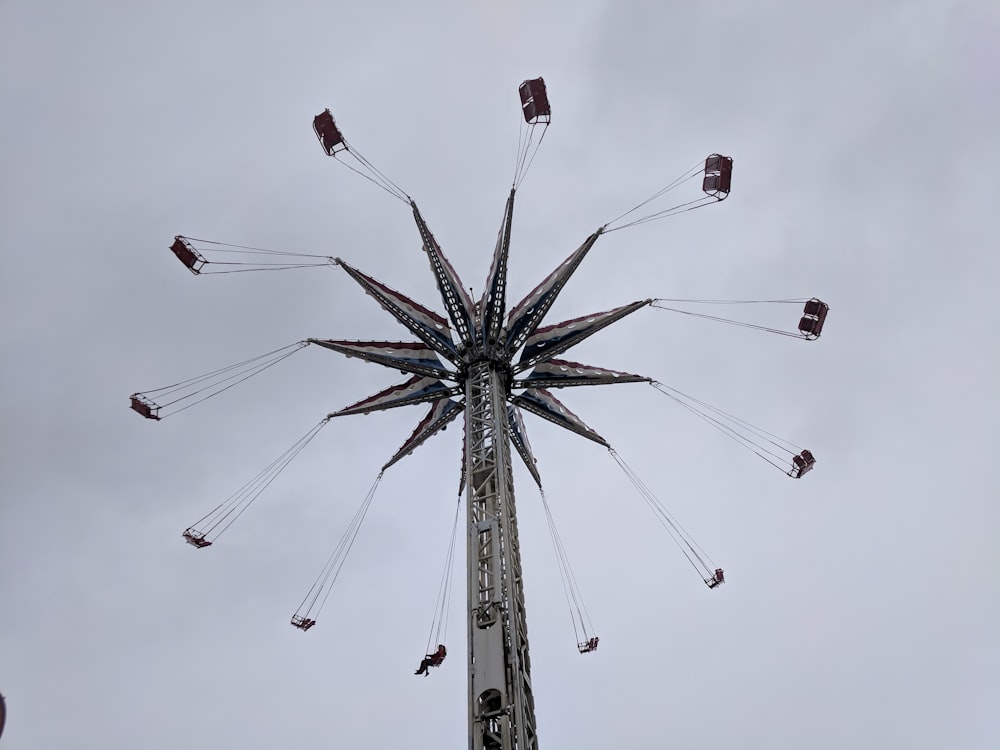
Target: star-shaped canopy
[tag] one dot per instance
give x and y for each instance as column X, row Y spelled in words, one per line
column 438, row 361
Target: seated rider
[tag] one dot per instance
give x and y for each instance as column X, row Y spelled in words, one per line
column 432, row 660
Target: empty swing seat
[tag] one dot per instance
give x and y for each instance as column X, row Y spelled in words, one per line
column 589, row 645
column 813, row 317
column 718, row 176
column 535, row 101
column 196, row 539
column 188, row 255
column 302, row 623
column 809, row 327
column 144, row 406
column 328, row 133
column 801, row 464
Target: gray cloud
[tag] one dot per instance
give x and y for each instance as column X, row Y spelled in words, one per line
column 860, row 610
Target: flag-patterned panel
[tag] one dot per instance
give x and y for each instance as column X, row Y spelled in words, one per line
column 555, row 339
column 542, row 403
column 441, row 413
column 494, row 301
column 528, row 313
column 414, row 391
column 416, row 358
column 519, row 438
column 425, row 324
column 455, row 296
column 560, row 373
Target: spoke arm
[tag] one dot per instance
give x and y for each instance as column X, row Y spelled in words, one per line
column 555, row 339
column 407, row 357
column 456, row 298
column 527, row 315
column 423, row 323
column 519, row 438
column 416, row 390
column 543, row 404
column 494, row 301
column 441, row 414
column 560, row 373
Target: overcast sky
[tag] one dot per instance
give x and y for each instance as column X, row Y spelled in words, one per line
column 862, row 608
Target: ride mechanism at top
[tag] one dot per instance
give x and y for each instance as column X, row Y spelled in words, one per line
column 488, row 362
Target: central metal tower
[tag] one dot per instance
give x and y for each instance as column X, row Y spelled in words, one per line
column 501, row 704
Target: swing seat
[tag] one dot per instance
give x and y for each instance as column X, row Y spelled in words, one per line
column 328, row 133
column 718, row 176
column 813, row 317
column 801, row 464
column 302, row 623
column 717, row 579
column 589, row 645
column 535, row 102
column 187, row 254
column 144, row 406
column 196, row 539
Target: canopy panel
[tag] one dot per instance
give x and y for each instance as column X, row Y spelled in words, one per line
column 416, row 390
column 525, row 317
column 423, row 323
column 561, row 373
column 456, row 297
column 441, row 413
column 519, row 437
column 555, row 339
column 539, row 401
column 494, row 301
column 416, row 358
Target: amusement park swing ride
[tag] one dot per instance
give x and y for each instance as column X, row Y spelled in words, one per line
column 488, row 363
